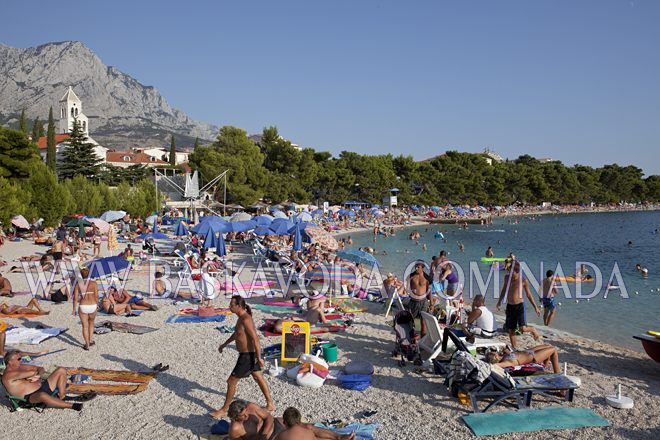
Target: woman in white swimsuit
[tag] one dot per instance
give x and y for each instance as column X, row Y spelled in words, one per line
column 85, row 301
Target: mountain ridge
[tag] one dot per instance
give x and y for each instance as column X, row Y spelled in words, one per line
column 122, row 111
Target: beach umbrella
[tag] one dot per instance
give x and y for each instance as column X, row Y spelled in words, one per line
column 112, row 216
column 304, row 217
column 281, row 226
column 264, row 220
column 106, row 266
column 154, row 235
column 220, row 249
column 240, row 217
column 317, row 213
column 335, row 273
column 20, row 222
column 151, row 219
column 181, row 229
column 297, row 240
column 102, row 225
column 211, row 239
column 279, row 214
column 358, row 257
column 322, row 237
column 241, row 226
column 262, row 230
column 78, row 222
column 217, row 225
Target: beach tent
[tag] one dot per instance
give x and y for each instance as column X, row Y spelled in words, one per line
column 112, row 216
column 20, row 222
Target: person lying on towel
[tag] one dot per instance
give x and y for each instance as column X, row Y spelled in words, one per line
column 32, row 308
column 24, row 381
column 313, row 315
column 249, row 420
column 297, row 430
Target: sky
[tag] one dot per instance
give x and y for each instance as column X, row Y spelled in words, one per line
column 573, row 80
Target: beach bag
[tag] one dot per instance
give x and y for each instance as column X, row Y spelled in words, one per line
column 58, row 296
column 205, row 311
column 356, row 382
column 466, row 368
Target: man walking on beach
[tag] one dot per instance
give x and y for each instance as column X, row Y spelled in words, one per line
column 249, row 356
column 549, row 302
column 514, row 283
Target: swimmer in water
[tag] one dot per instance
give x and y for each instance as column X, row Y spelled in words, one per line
column 644, row 271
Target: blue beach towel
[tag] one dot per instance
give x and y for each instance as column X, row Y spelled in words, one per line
column 177, row 319
column 362, row 431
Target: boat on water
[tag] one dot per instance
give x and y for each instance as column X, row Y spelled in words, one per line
column 651, row 345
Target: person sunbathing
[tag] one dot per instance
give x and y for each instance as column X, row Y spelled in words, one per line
column 5, row 287
column 313, row 315
column 44, row 264
column 540, row 354
column 122, row 297
column 24, row 381
column 297, row 430
column 32, row 308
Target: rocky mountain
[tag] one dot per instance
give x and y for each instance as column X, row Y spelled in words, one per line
column 121, row 111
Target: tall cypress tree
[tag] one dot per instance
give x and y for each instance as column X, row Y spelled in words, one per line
column 172, row 152
column 78, row 156
column 196, row 143
column 36, row 130
column 51, row 152
column 22, row 123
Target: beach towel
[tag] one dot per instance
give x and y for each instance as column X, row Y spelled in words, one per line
column 178, row 319
column 23, row 315
column 125, row 327
column 279, row 303
column 32, row 336
column 270, row 308
column 113, row 375
column 362, row 431
column 248, row 286
column 106, row 388
column 527, row 420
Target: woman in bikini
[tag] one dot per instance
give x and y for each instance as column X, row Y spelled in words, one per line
column 32, row 308
column 539, row 354
column 85, row 302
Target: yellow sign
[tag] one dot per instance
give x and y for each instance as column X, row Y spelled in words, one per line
column 295, row 340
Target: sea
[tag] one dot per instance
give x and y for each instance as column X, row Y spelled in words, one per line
column 610, row 244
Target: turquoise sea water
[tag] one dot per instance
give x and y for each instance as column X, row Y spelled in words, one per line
column 601, row 239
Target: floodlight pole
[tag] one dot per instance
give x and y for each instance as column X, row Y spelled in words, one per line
column 224, row 199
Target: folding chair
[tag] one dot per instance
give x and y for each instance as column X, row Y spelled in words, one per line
column 392, row 295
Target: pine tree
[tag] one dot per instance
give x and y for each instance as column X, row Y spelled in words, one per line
column 51, row 151
column 173, row 152
column 36, row 130
column 196, row 143
column 22, row 124
column 78, row 157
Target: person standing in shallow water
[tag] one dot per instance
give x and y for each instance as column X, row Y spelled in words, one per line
column 249, row 361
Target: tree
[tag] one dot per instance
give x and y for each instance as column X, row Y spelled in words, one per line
column 22, row 123
column 50, row 199
column 196, row 143
column 87, row 198
column 51, row 152
column 17, row 154
column 172, row 159
column 78, row 156
column 12, row 200
column 37, row 130
column 247, row 178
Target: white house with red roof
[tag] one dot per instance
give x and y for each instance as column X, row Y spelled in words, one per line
column 125, row 159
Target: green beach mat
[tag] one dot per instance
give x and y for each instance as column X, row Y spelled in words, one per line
column 268, row 308
column 527, row 420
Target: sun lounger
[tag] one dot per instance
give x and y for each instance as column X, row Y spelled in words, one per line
column 433, row 343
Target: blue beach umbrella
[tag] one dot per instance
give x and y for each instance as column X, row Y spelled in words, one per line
column 106, row 266
column 279, row 214
column 358, row 257
column 262, row 230
column 181, row 229
column 211, row 239
column 242, row 226
column 220, row 249
column 297, row 240
column 281, row 226
column 216, row 224
column 263, row 220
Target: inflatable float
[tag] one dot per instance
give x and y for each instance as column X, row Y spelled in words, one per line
column 492, row 259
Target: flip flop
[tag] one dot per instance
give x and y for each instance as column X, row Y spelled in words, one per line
column 164, row 368
column 157, row 367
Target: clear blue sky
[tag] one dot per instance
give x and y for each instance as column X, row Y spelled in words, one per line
column 572, row 80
